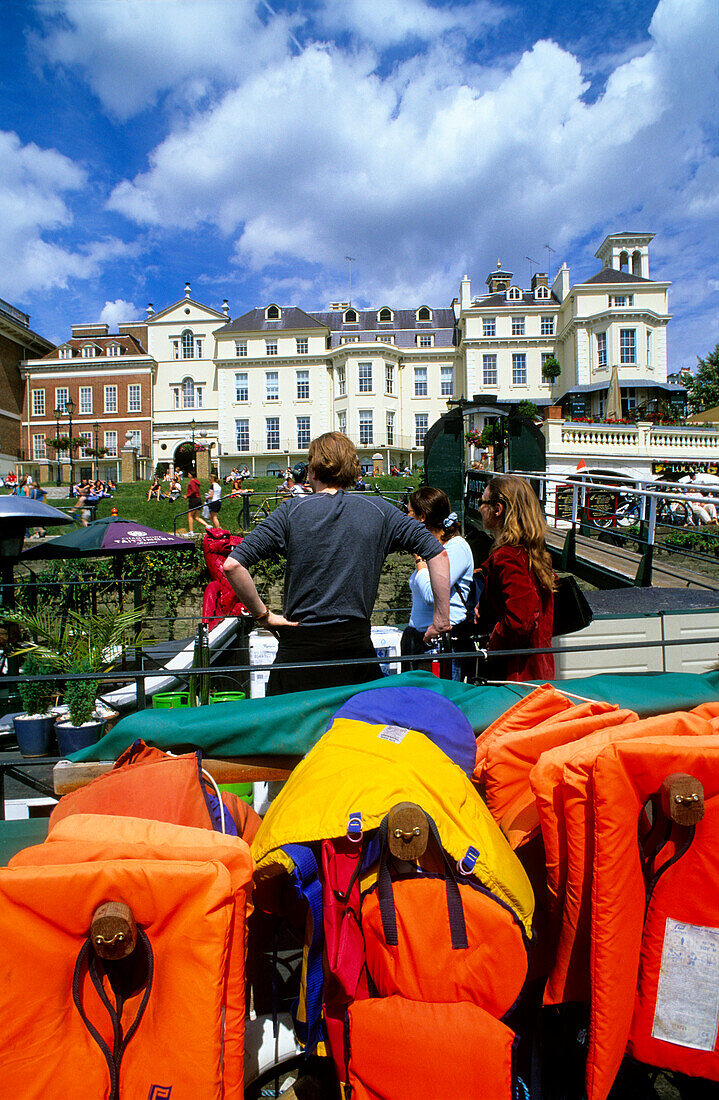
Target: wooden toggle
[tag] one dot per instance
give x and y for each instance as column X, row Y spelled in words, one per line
column 407, row 831
column 682, row 799
column 113, row 931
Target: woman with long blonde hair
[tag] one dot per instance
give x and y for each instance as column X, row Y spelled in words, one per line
column 516, row 609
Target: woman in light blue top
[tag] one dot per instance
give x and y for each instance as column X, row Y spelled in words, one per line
column 431, row 507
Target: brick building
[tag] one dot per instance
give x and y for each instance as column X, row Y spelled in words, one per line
column 109, row 381
column 17, row 342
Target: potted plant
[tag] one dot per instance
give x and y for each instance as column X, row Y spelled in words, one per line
column 82, row 727
column 76, row 644
column 34, row 729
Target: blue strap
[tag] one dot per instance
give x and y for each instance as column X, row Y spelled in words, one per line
column 309, row 887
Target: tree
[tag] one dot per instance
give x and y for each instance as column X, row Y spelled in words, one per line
column 703, row 385
column 551, row 369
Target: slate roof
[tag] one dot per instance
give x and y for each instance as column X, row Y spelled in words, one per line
column 611, row 275
column 500, row 301
column 404, row 327
column 129, row 345
column 290, row 318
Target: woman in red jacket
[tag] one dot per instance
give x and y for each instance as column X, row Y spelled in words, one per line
column 517, row 605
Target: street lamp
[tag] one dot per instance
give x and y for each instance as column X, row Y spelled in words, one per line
column 58, row 414
column 96, row 429
column 70, row 409
column 194, row 456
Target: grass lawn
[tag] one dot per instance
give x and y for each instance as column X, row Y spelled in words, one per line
column 132, row 503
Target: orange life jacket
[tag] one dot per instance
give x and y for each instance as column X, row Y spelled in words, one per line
column 180, row 1033
column 509, row 761
column 146, row 782
column 674, row 1027
column 561, row 781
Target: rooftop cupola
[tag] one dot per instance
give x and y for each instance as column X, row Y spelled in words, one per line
column 626, row 252
column 188, row 290
column 499, row 280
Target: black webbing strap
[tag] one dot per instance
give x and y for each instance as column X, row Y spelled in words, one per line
column 655, row 842
column 95, row 971
column 385, row 895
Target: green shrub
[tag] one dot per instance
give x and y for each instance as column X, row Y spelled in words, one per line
column 80, row 695
column 36, row 695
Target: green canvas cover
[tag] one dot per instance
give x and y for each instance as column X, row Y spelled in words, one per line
column 291, row 724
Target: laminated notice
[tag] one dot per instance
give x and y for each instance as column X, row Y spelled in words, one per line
column 687, row 1011
column 393, row 733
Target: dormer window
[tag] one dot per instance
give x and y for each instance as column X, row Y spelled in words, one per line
column 424, row 314
column 89, row 351
column 272, row 313
column 113, row 349
column 541, row 292
column 385, row 316
column 66, row 353
column 350, row 317
column 514, row 294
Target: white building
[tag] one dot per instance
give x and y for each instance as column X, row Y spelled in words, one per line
column 617, row 318
column 180, row 340
column 285, row 376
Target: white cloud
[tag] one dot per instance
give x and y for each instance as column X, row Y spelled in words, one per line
column 35, row 185
column 436, row 167
column 132, row 52
column 119, row 311
column 386, row 23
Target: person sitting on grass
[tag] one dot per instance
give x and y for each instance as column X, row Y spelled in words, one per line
column 155, row 490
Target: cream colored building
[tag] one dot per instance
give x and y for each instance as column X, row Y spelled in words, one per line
column 382, row 376
column 180, row 340
column 616, row 318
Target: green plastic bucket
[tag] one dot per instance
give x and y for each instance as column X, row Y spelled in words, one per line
column 227, row 696
column 242, row 790
column 170, row 700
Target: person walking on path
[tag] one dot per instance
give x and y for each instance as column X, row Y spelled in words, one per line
column 336, row 543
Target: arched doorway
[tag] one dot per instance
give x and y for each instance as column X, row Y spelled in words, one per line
column 184, row 458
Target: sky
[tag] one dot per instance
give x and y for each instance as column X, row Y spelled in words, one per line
column 251, row 147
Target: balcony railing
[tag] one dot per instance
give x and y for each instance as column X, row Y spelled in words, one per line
column 642, row 439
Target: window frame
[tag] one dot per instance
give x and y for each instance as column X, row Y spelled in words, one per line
column 418, row 427
column 519, row 326
column 134, row 390
column 489, row 326
column 628, row 347
column 272, row 385
column 304, row 435
column 302, row 384
column 491, row 367
column 389, row 379
column 245, row 421
column 107, row 390
column 365, row 382
column 84, row 403
column 270, row 444
column 108, row 442
column 446, row 372
column 38, row 402
column 187, row 344
column 240, row 349
column 602, row 348
column 242, row 387
column 389, row 427
column 341, row 380
column 546, row 325
column 271, row 347
column 518, row 367
column 365, row 420
column 304, row 341
column 61, row 403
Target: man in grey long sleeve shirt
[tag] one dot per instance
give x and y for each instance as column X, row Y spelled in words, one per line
column 335, row 544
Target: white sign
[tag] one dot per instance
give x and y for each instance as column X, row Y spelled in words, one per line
column 687, row 1010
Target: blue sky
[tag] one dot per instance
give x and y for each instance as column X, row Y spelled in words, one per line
column 249, row 147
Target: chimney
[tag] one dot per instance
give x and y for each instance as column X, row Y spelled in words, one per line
column 150, row 311
column 226, row 308
column 98, row 328
column 188, row 290
column 560, row 286
column 465, row 293
column 539, row 279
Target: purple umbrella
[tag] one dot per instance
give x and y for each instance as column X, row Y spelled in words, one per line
column 109, row 537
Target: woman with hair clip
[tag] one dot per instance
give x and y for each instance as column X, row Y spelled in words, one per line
column 432, row 508
column 516, row 608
